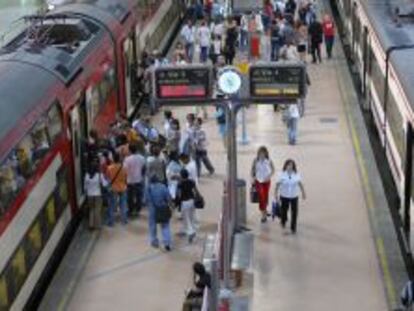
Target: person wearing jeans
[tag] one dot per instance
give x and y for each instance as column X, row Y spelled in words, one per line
column 261, row 173
column 117, row 177
column 329, row 34
column 158, row 197
column 292, row 123
column 204, row 36
column 201, row 154
column 134, row 165
column 287, row 193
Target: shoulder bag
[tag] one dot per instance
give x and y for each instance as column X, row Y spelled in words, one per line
column 162, row 213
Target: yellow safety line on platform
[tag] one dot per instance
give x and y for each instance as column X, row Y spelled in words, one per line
column 70, row 288
column 389, row 283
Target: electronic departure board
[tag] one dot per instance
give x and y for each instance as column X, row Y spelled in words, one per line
column 280, row 82
column 188, row 82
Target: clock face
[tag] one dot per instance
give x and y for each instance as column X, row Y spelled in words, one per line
column 229, row 82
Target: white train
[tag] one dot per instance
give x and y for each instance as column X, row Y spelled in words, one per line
column 379, row 39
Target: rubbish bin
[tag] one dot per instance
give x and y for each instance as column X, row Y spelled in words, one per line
column 241, row 215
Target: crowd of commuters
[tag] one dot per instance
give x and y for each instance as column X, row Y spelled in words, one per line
column 138, row 165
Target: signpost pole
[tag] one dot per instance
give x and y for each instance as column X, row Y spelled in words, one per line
column 244, row 140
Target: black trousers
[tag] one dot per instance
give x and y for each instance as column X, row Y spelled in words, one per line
column 293, row 205
column 134, row 198
column 316, row 52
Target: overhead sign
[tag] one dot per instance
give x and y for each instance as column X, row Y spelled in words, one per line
column 180, row 83
column 277, row 82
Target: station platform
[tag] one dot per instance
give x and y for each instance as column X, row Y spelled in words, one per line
column 345, row 255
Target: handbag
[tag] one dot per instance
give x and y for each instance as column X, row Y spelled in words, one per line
column 199, row 201
column 276, row 210
column 162, row 214
column 254, row 195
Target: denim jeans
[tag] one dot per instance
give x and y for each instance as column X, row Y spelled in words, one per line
column 202, row 156
column 152, row 226
column 134, row 198
column 329, row 41
column 292, row 130
column 203, row 54
column 275, row 50
column 114, row 198
column 244, row 40
column 189, row 49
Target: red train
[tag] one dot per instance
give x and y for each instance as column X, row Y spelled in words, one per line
column 68, row 72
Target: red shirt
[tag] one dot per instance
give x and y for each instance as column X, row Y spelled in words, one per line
column 328, row 29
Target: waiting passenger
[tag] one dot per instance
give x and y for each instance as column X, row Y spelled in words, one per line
column 173, row 137
column 134, row 165
column 158, row 199
column 40, row 146
column 94, row 182
column 261, row 172
column 117, row 178
column 186, row 193
column 293, row 116
column 201, row 279
column 287, row 193
column 155, row 165
column 200, row 143
column 173, row 173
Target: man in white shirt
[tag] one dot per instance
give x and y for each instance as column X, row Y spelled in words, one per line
column 134, row 165
column 188, row 35
column 190, row 166
column 204, row 36
column 292, row 123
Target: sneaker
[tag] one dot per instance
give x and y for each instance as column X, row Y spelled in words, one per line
column 155, row 244
column 168, row 248
column 263, row 220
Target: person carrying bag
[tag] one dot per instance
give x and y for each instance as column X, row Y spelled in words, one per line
column 159, row 212
column 261, row 172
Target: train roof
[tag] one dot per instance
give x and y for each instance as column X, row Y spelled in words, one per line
column 394, row 23
column 22, row 87
column 117, row 9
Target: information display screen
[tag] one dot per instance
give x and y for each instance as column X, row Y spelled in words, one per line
column 277, row 81
column 184, row 83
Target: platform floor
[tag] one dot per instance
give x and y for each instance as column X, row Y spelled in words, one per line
column 330, row 263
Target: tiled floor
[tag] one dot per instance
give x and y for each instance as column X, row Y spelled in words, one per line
column 330, row 264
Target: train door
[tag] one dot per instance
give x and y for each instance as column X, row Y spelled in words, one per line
column 79, row 130
column 409, row 182
column 365, row 56
column 355, row 33
column 130, row 64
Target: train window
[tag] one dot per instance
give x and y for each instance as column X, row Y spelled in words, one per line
column 377, row 77
column 18, row 268
column 93, row 100
column 107, row 85
column 40, row 141
column 33, row 243
column 395, row 122
column 62, row 191
column 54, row 121
column 4, row 295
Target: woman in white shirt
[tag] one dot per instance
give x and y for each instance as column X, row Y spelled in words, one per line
column 262, row 172
column 287, row 193
column 93, row 183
